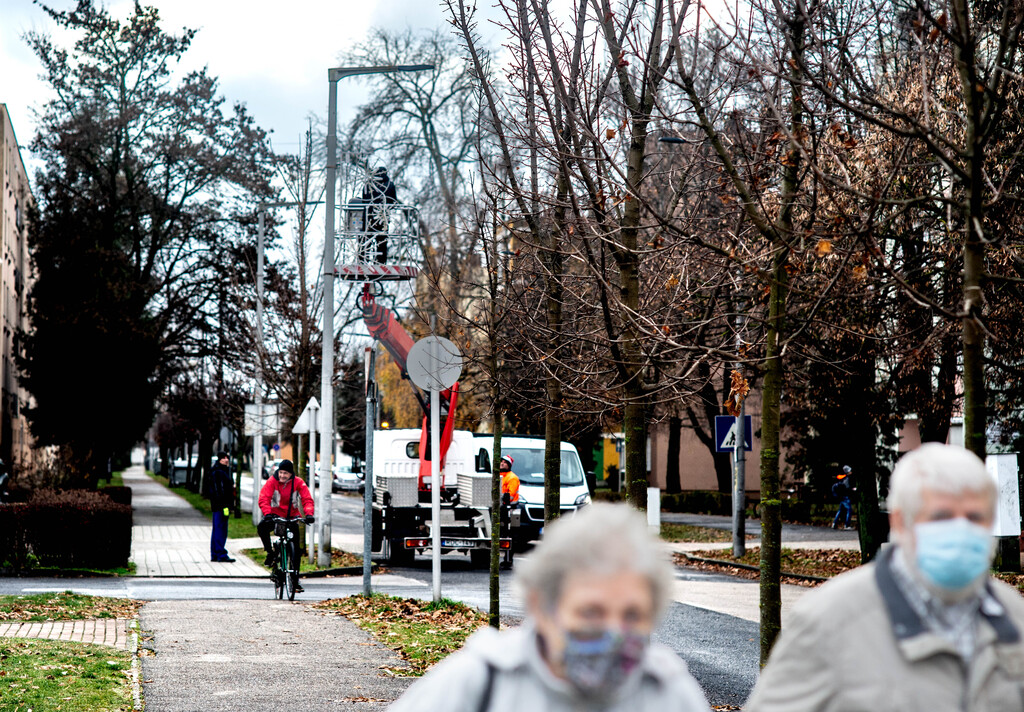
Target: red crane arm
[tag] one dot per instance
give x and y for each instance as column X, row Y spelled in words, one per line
column 382, row 324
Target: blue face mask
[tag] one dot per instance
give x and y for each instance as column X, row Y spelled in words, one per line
column 952, row 554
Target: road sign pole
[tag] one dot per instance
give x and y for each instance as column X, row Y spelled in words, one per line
column 739, row 492
column 311, row 473
column 435, row 471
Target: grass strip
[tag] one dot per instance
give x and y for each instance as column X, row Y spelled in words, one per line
column 238, row 527
column 802, row 562
column 691, row 533
column 339, row 559
column 65, row 606
column 62, row 676
column 422, row 632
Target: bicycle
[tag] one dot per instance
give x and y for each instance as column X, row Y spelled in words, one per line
column 285, row 573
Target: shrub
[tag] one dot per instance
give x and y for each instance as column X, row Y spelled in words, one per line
column 66, row 529
column 698, row 502
column 121, row 495
column 14, row 552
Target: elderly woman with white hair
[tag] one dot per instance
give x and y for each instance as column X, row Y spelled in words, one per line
column 594, row 589
column 925, row 627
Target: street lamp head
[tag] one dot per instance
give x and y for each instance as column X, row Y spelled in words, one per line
column 336, row 73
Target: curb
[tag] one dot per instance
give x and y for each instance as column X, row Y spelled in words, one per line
column 341, row 571
column 60, row 573
column 748, row 567
column 136, row 667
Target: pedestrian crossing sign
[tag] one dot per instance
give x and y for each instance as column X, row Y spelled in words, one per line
column 725, row 433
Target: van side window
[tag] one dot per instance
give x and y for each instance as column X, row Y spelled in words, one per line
column 483, row 460
column 412, row 450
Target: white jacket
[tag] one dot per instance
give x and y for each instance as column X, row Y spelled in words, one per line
column 522, row 682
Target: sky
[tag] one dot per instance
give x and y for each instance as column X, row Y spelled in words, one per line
column 271, row 55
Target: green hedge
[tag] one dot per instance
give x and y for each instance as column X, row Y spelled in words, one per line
column 69, row 529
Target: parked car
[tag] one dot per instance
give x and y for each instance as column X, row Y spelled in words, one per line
column 347, row 481
column 343, row 480
column 270, row 468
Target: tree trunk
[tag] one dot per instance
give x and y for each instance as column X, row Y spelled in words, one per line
column 872, row 530
column 672, row 481
column 771, row 505
column 494, row 585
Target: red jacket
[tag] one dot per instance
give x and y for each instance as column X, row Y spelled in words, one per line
column 274, row 497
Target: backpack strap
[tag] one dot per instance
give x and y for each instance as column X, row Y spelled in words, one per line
column 485, row 698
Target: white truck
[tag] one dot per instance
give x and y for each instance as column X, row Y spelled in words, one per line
column 528, row 463
column 401, row 507
column 401, row 503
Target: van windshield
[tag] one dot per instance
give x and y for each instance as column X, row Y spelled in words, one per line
column 529, row 466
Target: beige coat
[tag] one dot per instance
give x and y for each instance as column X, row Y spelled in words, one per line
column 521, row 681
column 856, row 644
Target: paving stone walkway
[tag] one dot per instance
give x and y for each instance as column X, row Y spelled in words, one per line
column 114, row 632
column 170, row 538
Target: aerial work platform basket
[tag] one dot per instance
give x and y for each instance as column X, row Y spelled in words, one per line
column 378, row 242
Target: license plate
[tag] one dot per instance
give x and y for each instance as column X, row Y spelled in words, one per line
column 458, row 543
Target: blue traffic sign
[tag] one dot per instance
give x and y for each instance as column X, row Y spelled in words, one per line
column 725, row 433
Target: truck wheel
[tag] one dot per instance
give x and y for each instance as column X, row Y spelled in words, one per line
column 480, row 558
column 398, row 555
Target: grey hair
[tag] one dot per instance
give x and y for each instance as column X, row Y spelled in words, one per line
column 601, row 538
column 948, row 469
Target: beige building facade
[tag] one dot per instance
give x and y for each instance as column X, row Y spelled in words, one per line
column 16, row 448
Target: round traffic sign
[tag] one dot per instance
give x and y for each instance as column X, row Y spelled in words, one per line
column 434, row 363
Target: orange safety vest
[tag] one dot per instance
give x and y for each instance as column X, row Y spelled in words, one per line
column 510, row 484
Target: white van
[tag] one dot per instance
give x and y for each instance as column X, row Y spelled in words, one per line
column 528, row 463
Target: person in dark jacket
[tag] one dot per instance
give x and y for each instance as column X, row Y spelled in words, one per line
column 222, row 496
column 378, row 194
column 842, row 490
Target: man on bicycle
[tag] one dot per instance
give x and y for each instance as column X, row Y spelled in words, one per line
column 283, row 495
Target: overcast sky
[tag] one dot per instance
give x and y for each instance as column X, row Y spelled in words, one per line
column 269, row 54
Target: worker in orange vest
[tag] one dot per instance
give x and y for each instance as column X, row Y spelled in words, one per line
column 509, row 479
column 509, row 486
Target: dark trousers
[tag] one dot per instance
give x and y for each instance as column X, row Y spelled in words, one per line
column 265, row 528
column 219, row 535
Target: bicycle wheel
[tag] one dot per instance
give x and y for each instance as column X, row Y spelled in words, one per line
column 293, row 581
column 278, row 574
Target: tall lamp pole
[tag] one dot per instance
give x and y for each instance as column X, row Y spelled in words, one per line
column 327, row 374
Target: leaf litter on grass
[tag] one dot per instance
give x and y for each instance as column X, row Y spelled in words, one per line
column 65, row 606
column 823, row 563
column 421, row 632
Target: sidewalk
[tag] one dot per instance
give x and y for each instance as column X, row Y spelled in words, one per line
column 260, row 656
column 170, row 538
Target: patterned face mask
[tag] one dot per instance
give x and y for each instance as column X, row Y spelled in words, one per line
column 597, row 662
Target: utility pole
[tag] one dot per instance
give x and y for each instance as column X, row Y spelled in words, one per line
column 327, row 372
column 371, row 421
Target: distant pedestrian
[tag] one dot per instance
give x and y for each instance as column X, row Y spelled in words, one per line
column 924, row 627
column 222, row 497
column 842, row 489
column 594, row 589
column 379, row 195
column 509, row 487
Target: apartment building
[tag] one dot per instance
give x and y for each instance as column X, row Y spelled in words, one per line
column 16, row 447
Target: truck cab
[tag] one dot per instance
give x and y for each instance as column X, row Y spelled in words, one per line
column 528, row 464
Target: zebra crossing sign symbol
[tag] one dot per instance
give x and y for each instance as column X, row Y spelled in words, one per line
column 725, row 433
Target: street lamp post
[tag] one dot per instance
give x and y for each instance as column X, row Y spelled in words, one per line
column 327, row 374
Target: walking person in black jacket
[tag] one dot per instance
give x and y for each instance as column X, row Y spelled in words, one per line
column 222, row 495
